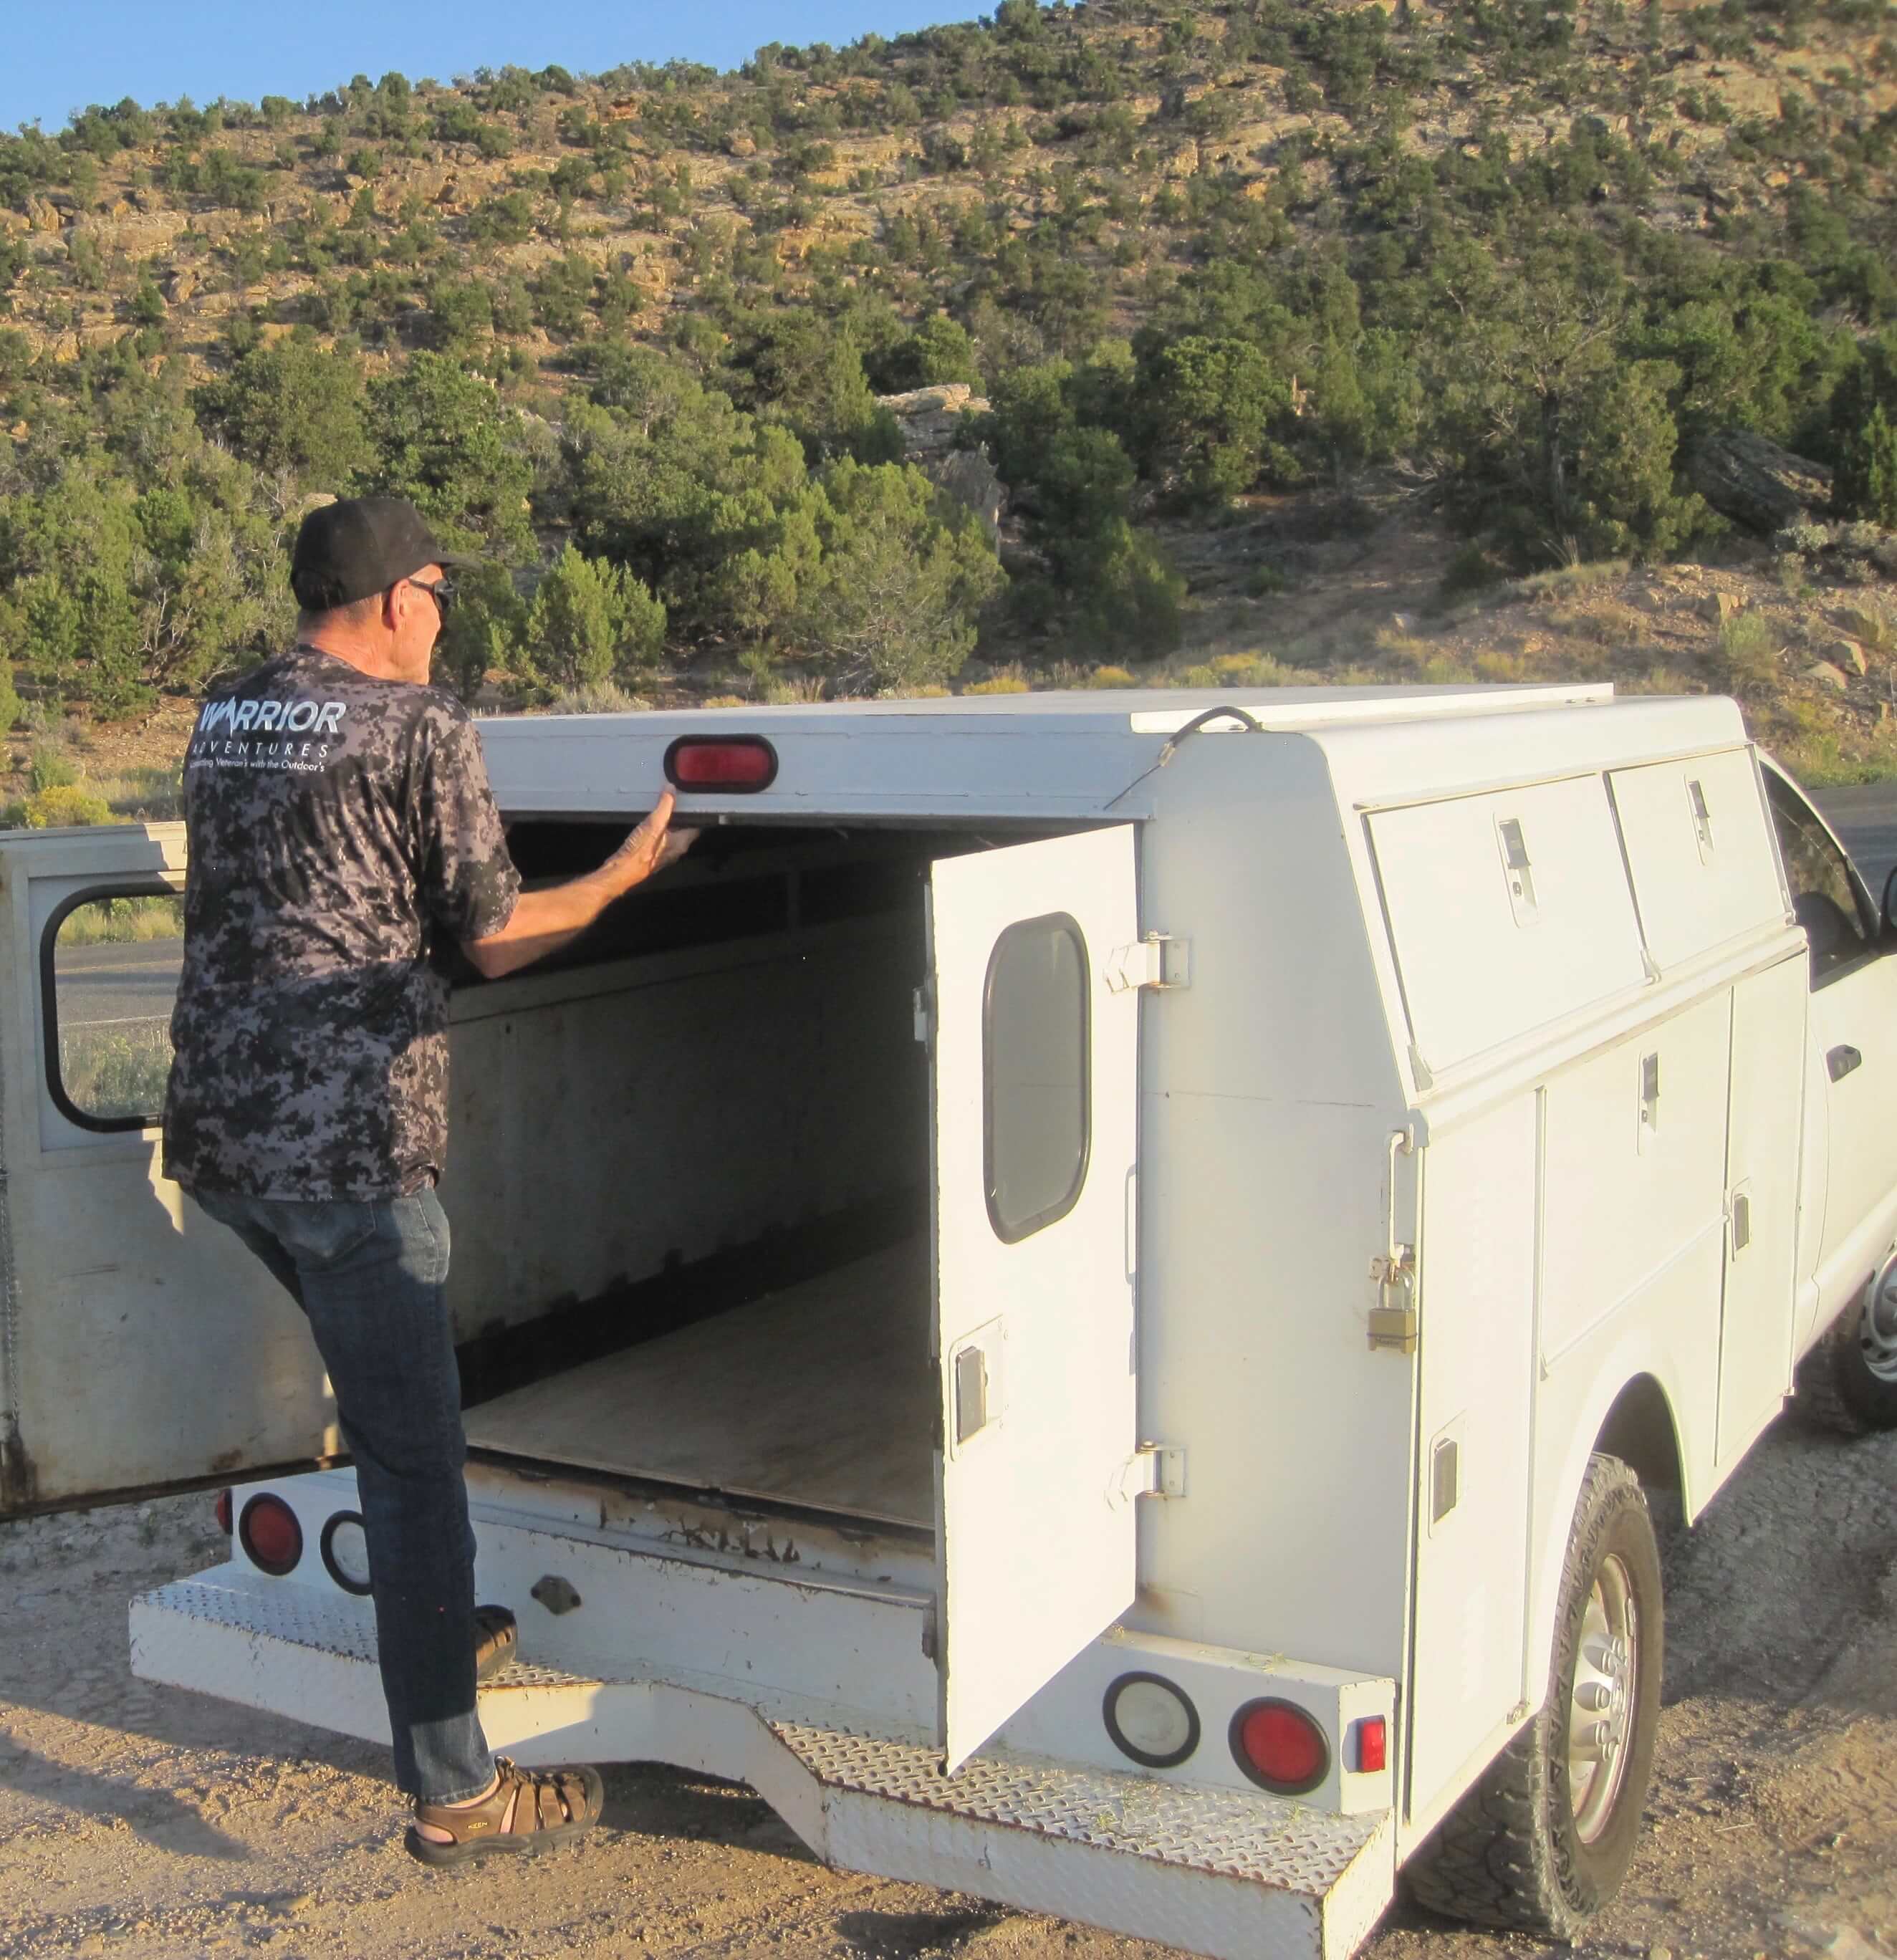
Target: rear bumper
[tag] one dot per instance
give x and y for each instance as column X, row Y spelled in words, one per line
column 1236, row 1875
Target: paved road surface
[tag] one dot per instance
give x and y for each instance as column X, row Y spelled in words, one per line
column 118, row 983
column 1865, row 816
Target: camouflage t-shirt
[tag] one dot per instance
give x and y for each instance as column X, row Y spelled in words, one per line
column 341, row 829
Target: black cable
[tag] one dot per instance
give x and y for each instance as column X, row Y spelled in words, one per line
column 1252, row 726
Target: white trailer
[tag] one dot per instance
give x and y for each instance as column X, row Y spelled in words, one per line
column 1085, row 1297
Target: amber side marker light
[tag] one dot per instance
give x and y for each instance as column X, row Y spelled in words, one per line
column 272, row 1538
column 727, row 765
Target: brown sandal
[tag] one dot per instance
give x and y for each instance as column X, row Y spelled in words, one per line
column 550, row 1807
column 496, row 1638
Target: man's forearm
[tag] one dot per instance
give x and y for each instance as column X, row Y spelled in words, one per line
column 544, row 921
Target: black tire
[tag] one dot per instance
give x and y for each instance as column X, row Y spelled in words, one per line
column 1512, row 1852
column 1847, row 1383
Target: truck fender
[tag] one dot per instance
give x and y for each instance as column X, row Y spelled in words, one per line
column 1630, row 1411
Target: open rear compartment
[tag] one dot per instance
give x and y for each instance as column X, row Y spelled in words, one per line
column 794, row 1206
column 688, row 1184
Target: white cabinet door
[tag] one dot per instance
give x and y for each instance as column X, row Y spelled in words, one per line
column 1035, row 1086
column 1507, row 911
column 1477, row 1363
column 1700, row 851
column 141, row 1345
column 1764, row 1129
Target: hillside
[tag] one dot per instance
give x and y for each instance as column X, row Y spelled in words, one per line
column 1306, row 339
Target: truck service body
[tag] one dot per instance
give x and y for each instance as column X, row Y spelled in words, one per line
column 1052, row 1298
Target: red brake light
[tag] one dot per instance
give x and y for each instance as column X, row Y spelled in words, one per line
column 733, row 764
column 272, row 1538
column 1373, row 1745
column 224, row 1512
column 1280, row 1747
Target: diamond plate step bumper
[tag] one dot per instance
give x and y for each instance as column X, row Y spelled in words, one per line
column 1230, row 1875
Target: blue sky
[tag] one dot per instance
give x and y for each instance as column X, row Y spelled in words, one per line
column 59, row 57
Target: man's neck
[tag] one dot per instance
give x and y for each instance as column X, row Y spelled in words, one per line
column 375, row 662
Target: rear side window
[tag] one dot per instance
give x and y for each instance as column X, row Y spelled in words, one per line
column 109, row 964
column 1825, row 898
column 1035, row 1040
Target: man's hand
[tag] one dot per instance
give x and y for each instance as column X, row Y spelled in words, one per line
column 652, row 847
column 544, row 921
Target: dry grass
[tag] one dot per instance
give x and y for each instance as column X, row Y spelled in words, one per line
column 778, row 692
column 117, row 1072
column 153, row 794
column 1568, row 581
column 122, row 922
column 1604, row 622
column 1744, row 660
column 602, row 698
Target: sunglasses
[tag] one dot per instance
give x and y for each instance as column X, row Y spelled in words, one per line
column 441, row 592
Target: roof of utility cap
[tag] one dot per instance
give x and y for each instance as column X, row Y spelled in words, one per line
column 1093, row 757
column 1141, row 711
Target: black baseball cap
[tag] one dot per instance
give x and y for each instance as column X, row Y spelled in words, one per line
column 346, row 550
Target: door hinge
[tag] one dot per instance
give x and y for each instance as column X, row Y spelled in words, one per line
column 925, row 1011
column 1158, row 961
column 1393, row 1321
column 1154, row 1470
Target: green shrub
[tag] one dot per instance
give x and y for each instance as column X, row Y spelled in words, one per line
column 1471, row 570
column 64, row 804
column 50, row 769
column 592, row 622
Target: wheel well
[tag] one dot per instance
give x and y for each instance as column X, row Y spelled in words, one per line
column 1639, row 1430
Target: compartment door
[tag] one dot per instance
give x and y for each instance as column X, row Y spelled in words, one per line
column 141, row 1346
column 1034, row 1086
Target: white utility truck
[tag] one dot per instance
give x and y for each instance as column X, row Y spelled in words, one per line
column 1085, row 1297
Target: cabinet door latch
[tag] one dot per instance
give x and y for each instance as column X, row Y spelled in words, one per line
column 1154, row 1470
column 1158, row 961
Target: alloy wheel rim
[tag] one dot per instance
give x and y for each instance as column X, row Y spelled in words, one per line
column 1877, row 1327
column 1606, row 1692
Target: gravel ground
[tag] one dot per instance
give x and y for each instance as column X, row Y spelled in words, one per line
column 144, row 1821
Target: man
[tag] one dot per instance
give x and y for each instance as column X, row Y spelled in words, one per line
column 342, row 831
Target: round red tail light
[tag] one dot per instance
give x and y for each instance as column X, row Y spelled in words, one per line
column 732, row 764
column 272, row 1538
column 224, row 1512
column 1280, row 1747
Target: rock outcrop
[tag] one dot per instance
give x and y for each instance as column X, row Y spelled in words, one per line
column 1757, row 484
column 931, row 420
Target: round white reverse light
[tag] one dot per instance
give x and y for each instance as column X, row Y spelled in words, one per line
column 345, row 1552
column 1151, row 1720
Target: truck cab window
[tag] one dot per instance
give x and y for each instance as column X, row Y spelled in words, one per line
column 1826, row 898
column 110, row 966
column 1034, row 1045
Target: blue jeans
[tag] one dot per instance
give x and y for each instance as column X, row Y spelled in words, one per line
column 369, row 1278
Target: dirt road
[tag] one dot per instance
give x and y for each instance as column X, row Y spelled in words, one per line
column 137, row 1820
